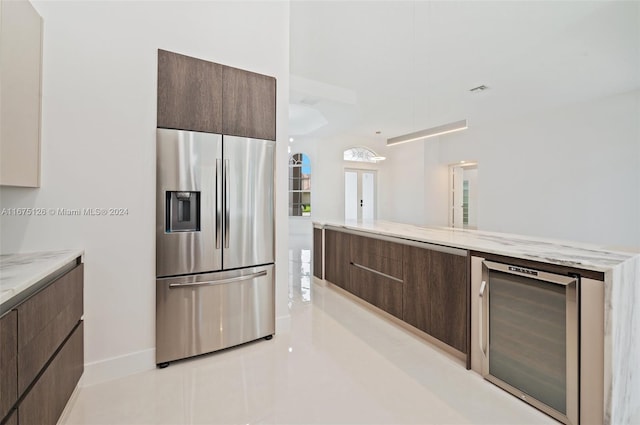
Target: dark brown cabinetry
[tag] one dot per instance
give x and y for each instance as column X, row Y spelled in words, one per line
column 249, row 104
column 198, row 95
column 317, row 253
column 435, row 295
column 376, row 273
column 41, row 350
column 46, row 400
column 45, row 320
column 8, row 362
column 336, row 267
column 189, row 93
column 426, row 286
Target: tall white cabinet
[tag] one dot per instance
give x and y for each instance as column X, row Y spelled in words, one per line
column 20, row 93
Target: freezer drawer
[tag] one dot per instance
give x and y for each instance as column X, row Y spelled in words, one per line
column 207, row 312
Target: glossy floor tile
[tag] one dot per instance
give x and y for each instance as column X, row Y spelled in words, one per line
column 339, row 364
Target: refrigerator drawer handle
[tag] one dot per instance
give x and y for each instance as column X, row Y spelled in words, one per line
column 219, row 282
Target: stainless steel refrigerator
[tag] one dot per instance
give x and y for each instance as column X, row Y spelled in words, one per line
column 215, row 283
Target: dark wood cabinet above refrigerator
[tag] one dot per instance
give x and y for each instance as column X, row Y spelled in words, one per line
column 198, row 95
column 249, row 104
column 189, row 93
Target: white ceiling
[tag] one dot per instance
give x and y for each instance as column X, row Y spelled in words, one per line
column 399, row 66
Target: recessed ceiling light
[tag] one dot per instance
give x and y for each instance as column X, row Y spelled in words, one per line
column 462, row 162
column 479, row 89
column 290, row 139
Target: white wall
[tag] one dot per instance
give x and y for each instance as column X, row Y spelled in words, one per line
column 98, row 147
column 570, row 173
column 327, row 195
column 435, row 187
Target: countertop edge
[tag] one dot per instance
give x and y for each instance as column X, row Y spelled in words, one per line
column 478, row 248
column 39, row 278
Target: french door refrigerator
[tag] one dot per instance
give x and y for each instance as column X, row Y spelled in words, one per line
column 214, row 242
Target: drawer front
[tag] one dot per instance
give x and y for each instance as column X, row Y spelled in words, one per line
column 44, row 321
column 336, row 259
column 383, row 292
column 376, row 254
column 12, row 419
column 8, row 362
column 208, row 312
column 317, row 253
column 46, row 400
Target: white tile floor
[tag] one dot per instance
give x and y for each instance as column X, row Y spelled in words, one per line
column 339, row 364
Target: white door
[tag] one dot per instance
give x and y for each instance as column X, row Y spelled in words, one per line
column 457, row 199
column 359, row 195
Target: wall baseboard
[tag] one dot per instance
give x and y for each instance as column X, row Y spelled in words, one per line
column 118, row 367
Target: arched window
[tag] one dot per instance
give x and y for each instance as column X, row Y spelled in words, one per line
column 299, row 185
column 361, row 154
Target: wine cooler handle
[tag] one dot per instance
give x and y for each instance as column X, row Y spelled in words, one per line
column 481, row 341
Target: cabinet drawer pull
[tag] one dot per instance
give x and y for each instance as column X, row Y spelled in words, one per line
column 376, row 272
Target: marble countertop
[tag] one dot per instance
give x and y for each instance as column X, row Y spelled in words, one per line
column 19, row 272
column 572, row 254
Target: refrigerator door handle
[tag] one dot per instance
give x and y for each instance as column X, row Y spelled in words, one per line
column 221, row 281
column 218, row 201
column 227, row 207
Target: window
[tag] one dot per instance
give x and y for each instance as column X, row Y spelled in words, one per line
column 360, row 154
column 299, row 185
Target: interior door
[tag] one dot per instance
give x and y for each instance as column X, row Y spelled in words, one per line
column 248, row 222
column 457, row 198
column 359, row 195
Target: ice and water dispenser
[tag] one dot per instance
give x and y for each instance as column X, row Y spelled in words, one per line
column 183, row 211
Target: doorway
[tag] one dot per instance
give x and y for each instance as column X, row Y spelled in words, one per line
column 359, row 195
column 463, row 195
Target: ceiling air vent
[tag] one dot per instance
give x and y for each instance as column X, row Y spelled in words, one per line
column 478, row 89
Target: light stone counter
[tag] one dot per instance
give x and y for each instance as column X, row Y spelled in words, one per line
column 621, row 269
column 21, row 273
column 572, row 254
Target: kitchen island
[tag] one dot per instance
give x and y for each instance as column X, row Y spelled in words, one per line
column 41, row 334
column 617, row 270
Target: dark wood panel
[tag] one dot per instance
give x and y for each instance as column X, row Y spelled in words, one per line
column 546, row 267
column 46, row 400
column 376, row 254
column 8, row 362
column 249, row 104
column 317, row 253
column 416, row 296
column 436, row 298
column 383, row 292
column 45, row 320
column 337, row 257
column 12, row 419
column 189, row 93
column 448, row 291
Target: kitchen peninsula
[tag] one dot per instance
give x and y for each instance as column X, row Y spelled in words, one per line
column 389, row 265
